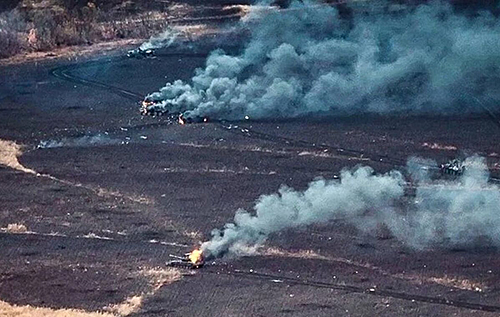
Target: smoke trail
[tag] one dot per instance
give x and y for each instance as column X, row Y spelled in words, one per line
column 441, row 213
column 86, row 140
column 307, row 61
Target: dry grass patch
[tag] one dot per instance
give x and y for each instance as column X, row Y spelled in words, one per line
column 462, row 284
column 9, row 310
column 301, row 254
column 9, row 154
column 129, row 306
column 16, row 228
column 159, row 277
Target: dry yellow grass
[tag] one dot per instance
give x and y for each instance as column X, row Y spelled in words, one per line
column 8, row 310
column 158, row 277
column 463, row 284
column 302, row 254
column 129, row 306
column 16, row 228
column 161, row 276
column 9, row 153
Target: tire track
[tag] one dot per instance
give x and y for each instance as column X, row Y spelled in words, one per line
column 340, row 151
column 362, row 290
column 63, row 72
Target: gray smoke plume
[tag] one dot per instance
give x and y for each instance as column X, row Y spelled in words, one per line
column 461, row 213
column 419, row 169
column 307, row 61
column 444, row 213
column 164, row 39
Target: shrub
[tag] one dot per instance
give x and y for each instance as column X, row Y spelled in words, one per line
column 12, row 40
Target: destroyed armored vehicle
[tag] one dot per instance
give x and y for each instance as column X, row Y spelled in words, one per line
column 140, row 53
column 453, row 167
column 193, row 260
column 185, row 119
column 151, row 107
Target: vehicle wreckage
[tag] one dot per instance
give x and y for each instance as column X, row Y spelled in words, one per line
column 193, row 260
column 155, row 107
column 152, row 107
column 453, row 167
column 140, row 53
column 183, row 119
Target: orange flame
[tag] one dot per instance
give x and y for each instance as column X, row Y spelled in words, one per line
column 196, row 257
column 181, row 120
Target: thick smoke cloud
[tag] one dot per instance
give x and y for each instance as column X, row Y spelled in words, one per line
column 442, row 213
column 461, row 213
column 307, row 61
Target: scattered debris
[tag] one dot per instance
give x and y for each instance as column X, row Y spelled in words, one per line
column 92, row 235
column 437, row 146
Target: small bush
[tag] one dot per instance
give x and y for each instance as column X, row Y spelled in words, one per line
column 10, row 44
column 12, row 26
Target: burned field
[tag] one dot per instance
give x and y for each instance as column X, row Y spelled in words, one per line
column 107, row 212
column 117, row 193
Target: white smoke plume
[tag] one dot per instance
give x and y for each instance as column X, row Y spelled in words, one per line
column 442, row 213
column 307, row 61
column 162, row 40
column 461, row 213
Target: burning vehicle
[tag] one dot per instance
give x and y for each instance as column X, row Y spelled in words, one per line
column 152, row 107
column 140, row 53
column 194, row 260
column 453, row 167
column 156, row 107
